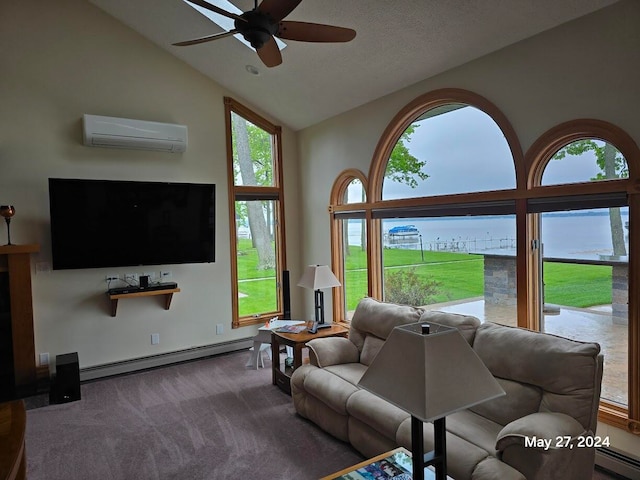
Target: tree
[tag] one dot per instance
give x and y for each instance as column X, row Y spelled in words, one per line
column 253, row 169
column 612, row 165
column 403, row 167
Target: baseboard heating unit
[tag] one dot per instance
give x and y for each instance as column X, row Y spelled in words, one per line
column 616, row 462
column 153, row 361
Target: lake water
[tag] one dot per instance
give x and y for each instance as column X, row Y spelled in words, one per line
column 563, row 234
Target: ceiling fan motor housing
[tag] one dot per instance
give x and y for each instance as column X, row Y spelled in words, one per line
column 256, row 27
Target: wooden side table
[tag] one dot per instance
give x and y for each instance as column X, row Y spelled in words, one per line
column 282, row 376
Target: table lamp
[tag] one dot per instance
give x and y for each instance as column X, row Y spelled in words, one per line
column 429, row 371
column 317, row 277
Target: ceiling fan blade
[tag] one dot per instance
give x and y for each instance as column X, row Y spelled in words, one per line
column 270, row 54
column 314, row 32
column 208, row 38
column 215, row 9
column 278, row 9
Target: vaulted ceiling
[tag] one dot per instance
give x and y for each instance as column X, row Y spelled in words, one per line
column 398, row 43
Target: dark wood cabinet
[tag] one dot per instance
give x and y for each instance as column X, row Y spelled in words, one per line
column 17, row 318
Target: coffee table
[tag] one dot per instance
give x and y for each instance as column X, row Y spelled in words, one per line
column 282, row 376
column 399, row 458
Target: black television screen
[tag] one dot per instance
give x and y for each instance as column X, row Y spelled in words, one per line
column 108, row 223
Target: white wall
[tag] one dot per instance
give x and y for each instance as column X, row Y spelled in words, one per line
column 585, row 69
column 66, row 58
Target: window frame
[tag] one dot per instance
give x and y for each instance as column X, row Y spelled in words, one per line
column 538, row 156
column 252, row 192
column 338, row 192
column 529, row 168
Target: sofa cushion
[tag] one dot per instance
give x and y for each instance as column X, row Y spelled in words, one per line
column 520, row 400
column 379, row 414
column 493, row 469
column 370, row 349
column 329, row 387
column 564, row 369
column 466, row 324
column 373, row 317
column 476, row 429
column 351, row 372
column 368, row 441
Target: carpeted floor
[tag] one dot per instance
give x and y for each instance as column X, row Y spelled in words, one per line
column 207, row 419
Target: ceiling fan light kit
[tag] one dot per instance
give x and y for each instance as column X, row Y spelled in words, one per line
column 260, row 25
column 256, row 28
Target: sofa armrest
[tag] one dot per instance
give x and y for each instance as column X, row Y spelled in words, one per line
column 540, row 431
column 332, row 351
column 542, row 445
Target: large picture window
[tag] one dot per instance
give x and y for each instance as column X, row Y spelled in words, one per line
column 458, row 219
column 256, row 215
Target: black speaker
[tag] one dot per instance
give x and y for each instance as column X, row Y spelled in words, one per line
column 66, row 384
column 286, row 296
column 144, row 281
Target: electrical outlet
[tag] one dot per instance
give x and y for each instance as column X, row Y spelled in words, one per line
column 219, row 329
column 44, row 359
column 111, row 277
column 165, row 275
column 43, row 267
column 155, row 338
column 131, row 277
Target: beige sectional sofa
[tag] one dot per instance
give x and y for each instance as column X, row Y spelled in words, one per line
column 552, row 387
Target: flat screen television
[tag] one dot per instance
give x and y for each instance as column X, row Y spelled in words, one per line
column 109, row 223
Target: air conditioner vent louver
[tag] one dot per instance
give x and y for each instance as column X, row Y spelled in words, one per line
column 112, row 132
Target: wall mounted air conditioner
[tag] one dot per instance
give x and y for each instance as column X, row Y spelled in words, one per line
column 99, row 131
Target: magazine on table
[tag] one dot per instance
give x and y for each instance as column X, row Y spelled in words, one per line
column 397, row 466
column 292, row 329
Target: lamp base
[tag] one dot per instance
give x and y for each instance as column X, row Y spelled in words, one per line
column 314, row 328
column 437, row 457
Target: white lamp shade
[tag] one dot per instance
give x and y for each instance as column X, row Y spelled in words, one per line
column 317, row 277
column 429, row 375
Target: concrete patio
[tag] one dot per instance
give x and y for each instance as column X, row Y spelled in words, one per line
column 593, row 324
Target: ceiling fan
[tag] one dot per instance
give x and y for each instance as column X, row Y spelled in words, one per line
column 265, row 21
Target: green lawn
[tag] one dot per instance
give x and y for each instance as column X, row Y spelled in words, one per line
column 256, row 287
column 576, row 285
column 460, row 276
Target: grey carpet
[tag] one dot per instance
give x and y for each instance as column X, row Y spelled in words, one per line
column 208, row 419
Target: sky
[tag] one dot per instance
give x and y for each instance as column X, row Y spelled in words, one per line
column 465, row 151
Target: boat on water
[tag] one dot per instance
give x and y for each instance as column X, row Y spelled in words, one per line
column 404, row 230
column 402, row 235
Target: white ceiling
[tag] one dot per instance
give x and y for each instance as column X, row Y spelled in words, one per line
column 398, row 43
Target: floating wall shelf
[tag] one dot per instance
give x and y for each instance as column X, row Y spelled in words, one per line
column 168, row 295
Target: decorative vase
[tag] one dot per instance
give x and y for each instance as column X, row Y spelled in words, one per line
column 8, row 211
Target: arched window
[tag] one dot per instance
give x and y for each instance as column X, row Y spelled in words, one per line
column 585, row 160
column 453, row 148
column 351, row 264
column 580, row 212
column 443, row 222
